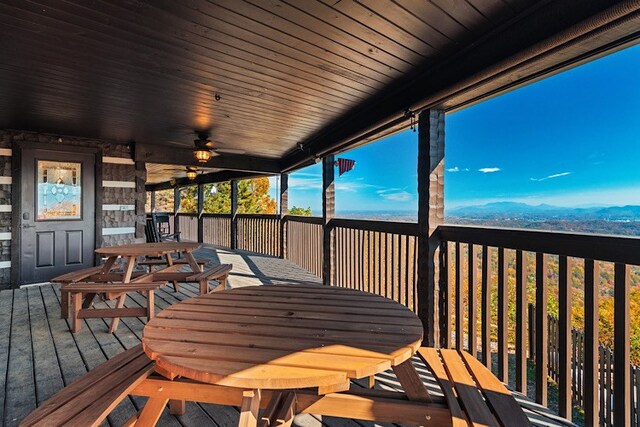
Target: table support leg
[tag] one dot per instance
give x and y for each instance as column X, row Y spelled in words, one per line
column 411, row 381
column 76, row 322
column 176, row 287
column 88, row 300
column 193, row 263
column 249, row 408
column 116, row 320
column 108, row 265
column 151, row 412
column 65, row 302
column 177, row 407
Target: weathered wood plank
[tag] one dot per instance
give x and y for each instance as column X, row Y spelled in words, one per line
column 6, row 313
column 71, row 362
column 45, row 362
column 21, row 388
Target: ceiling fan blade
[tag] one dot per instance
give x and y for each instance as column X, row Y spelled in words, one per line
column 229, row 151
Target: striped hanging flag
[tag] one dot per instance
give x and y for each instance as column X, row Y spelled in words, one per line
column 345, row 165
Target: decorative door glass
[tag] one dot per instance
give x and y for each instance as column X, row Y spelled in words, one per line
column 59, row 188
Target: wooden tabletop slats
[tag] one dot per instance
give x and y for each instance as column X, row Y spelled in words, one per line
column 364, row 336
column 148, row 249
column 239, row 342
column 354, row 366
column 249, row 375
column 329, row 310
column 282, row 338
column 371, row 304
column 291, row 314
column 327, row 323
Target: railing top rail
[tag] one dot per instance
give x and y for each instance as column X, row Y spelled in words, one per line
column 406, row 228
column 306, row 219
column 579, row 245
column 259, row 216
column 216, row 215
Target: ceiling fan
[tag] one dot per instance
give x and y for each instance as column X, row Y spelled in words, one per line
column 190, row 172
column 204, row 143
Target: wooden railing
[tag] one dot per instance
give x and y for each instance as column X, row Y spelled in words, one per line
column 474, row 262
column 377, row 257
column 605, row 371
column 216, row 229
column 526, row 253
column 303, row 237
column 259, row 233
column 188, row 226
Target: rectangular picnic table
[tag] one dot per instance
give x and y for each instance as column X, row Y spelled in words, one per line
column 88, row 283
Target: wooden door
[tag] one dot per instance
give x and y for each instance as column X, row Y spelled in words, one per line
column 57, row 213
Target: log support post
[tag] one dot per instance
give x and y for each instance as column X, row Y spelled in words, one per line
column 430, row 216
column 153, row 201
column 234, row 214
column 176, row 209
column 284, row 210
column 328, row 212
column 200, row 212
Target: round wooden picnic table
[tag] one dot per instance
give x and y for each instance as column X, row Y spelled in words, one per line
column 278, row 337
column 282, row 337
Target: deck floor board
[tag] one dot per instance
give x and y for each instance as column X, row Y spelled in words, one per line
column 38, row 354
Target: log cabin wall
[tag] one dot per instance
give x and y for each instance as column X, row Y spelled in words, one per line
column 123, row 194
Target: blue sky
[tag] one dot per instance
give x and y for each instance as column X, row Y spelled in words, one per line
column 571, row 140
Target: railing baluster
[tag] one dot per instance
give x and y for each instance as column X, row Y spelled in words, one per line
column 564, row 339
column 521, row 322
column 459, row 308
column 542, row 332
column 621, row 339
column 472, row 270
column 445, row 295
column 486, row 306
column 503, row 327
column 591, row 334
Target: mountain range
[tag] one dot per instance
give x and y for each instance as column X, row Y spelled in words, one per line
column 510, row 210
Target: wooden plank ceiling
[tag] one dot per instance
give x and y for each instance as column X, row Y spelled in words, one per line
column 157, row 173
column 260, row 76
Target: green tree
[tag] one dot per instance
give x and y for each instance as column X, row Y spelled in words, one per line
column 300, row 211
column 253, row 197
column 164, row 201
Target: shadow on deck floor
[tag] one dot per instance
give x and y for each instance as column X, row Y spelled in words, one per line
column 39, row 356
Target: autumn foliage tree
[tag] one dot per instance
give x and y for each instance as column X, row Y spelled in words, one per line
column 253, row 197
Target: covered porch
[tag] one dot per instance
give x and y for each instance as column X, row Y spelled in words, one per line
column 100, row 101
column 39, row 356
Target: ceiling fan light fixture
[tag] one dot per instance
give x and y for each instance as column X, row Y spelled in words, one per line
column 202, row 155
column 191, row 174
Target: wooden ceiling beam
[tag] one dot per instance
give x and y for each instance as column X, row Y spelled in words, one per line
column 542, row 35
column 184, row 156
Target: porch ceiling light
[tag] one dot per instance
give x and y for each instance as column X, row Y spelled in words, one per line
column 203, row 148
column 192, row 173
column 202, row 155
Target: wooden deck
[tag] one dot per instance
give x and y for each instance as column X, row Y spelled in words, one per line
column 39, row 356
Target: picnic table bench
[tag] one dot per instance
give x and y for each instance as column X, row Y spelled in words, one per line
column 150, row 263
column 83, row 293
column 88, row 400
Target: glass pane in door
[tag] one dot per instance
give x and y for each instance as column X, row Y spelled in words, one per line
column 59, row 187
